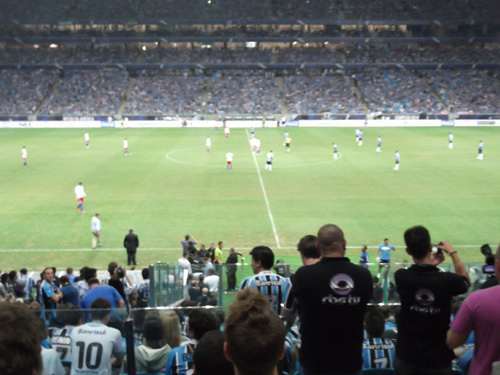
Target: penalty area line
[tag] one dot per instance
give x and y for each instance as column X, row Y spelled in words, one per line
column 265, row 195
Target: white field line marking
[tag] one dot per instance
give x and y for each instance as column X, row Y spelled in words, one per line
column 171, row 158
column 265, row 194
column 179, row 249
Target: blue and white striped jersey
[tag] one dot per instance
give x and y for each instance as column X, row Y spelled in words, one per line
column 378, row 353
column 274, row 286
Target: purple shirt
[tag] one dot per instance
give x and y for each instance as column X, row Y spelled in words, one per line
column 480, row 313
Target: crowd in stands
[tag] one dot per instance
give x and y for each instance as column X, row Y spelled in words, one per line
column 91, row 92
column 397, row 91
column 164, row 94
column 471, row 91
column 337, row 94
column 329, row 54
column 22, row 91
column 84, row 92
column 238, row 10
column 99, row 91
column 244, row 94
column 329, row 294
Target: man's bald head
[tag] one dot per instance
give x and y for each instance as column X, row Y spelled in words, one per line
column 331, row 240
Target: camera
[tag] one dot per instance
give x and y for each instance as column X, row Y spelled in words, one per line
column 120, row 272
column 436, row 250
column 489, row 267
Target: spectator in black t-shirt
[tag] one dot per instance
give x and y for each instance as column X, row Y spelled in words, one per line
column 332, row 295
column 426, row 295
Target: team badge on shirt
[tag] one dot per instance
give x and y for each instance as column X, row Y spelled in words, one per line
column 342, row 284
column 425, row 297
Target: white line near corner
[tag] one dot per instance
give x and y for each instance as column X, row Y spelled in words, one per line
column 265, row 195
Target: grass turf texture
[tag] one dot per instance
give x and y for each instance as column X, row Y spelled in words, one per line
column 171, row 186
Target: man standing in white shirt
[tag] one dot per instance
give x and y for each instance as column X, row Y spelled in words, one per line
column 229, row 161
column 184, row 262
column 24, row 154
column 125, row 147
column 212, row 280
column 95, row 227
column 208, row 143
column 79, row 195
column 87, row 139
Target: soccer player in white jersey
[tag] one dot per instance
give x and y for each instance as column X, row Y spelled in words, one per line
column 480, row 150
column 208, row 143
column 24, row 154
column 94, row 344
column 80, row 195
column 397, row 158
column 257, row 145
column 87, row 139
column 253, row 144
column 269, row 160
column 125, row 147
column 229, row 161
column 450, row 140
column 226, row 132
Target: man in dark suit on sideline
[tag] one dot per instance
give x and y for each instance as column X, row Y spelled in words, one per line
column 131, row 243
column 231, row 267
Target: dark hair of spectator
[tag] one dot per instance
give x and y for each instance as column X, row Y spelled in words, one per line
column 63, row 280
column 209, row 356
column 418, row 241
column 375, row 323
column 93, row 282
column 145, row 273
column 152, row 331
column 19, row 341
column 201, row 321
column 111, row 268
column 90, row 273
column 307, row 246
column 100, row 308
column 264, row 255
column 253, row 330
column 70, row 315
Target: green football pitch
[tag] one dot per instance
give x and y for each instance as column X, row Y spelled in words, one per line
column 170, row 186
